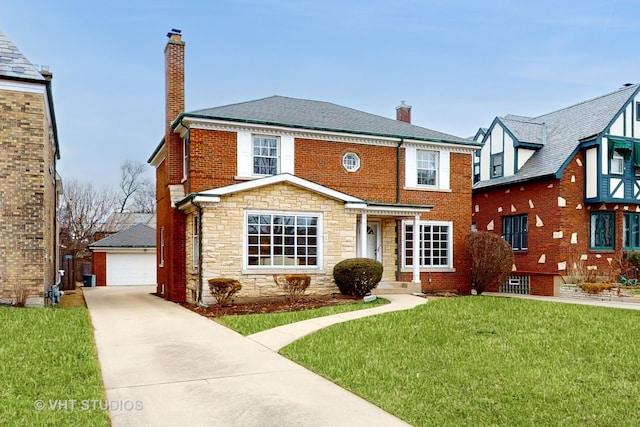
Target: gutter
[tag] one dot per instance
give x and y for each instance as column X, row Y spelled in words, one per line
column 200, row 303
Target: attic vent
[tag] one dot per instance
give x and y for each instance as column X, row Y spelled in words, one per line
column 627, row 84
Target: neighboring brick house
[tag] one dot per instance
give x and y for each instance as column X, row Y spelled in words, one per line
column 279, row 185
column 563, row 188
column 30, row 186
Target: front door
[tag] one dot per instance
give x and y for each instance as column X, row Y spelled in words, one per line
column 374, row 242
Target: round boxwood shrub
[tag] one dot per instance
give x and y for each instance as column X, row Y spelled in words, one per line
column 357, row 276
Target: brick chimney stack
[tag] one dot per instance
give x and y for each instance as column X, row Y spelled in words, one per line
column 174, row 102
column 403, row 112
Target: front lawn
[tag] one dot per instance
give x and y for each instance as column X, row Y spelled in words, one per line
column 487, row 361
column 49, row 368
column 251, row 323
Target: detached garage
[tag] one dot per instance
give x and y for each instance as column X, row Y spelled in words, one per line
column 126, row 258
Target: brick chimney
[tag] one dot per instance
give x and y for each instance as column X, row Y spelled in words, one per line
column 403, row 112
column 174, row 102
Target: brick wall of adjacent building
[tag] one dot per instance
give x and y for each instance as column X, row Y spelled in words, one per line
column 27, row 196
column 559, row 225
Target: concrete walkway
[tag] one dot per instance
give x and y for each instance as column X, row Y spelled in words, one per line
column 276, row 338
column 163, row 365
column 579, row 301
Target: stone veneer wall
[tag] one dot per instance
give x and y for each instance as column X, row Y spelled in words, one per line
column 27, row 196
column 223, row 230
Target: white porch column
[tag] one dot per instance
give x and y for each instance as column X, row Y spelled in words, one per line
column 363, row 235
column 416, row 249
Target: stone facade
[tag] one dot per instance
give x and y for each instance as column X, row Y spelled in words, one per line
column 27, row 196
column 223, row 227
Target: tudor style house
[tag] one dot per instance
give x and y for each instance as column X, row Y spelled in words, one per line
column 284, row 185
column 562, row 188
column 30, row 185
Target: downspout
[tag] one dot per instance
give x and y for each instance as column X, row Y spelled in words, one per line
column 200, row 303
column 398, row 198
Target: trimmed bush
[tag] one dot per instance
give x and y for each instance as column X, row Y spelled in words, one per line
column 357, row 276
column 491, row 260
column 295, row 284
column 223, row 289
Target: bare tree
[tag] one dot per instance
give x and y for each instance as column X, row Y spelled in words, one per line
column 137, row 191
column 83, row 211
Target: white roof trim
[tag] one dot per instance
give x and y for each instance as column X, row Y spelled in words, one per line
column 390, row 210
column 276, row 179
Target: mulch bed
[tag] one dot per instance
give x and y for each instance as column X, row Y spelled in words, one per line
column 270, row 306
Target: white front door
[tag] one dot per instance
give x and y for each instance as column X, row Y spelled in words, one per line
column 374, row 241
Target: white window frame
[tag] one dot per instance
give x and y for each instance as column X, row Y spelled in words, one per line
column 617, row 163
column 443, row 166
column 161, row 246
column 185, row 159
column 449, row 264
column 195, row 242
column 421, row 164
column 351, row 162
column 260, row 267
column 254, row 139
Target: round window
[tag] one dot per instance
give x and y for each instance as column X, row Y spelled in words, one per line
column 351, row 162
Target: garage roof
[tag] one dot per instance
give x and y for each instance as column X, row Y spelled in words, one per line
column 137, row 236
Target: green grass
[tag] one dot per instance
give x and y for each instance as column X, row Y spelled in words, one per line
column 48, row 355
column 488, row 361
column 251, row 323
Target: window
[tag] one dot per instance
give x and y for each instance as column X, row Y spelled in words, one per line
column 638, row 111
column 161, row 246
column 196, row 242
column 351, row 162
column 435, row 244
column 496, row 165
column 265, row 155
column 427, row 166
column 515, row 231
column 476, row 166
column 631, row 238
column 617, row 162
column 602, row 230
column 283, row 240
column 185, row 159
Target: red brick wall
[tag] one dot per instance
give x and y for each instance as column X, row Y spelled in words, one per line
column 212, row 159
column 99, row 266
column 574, row 218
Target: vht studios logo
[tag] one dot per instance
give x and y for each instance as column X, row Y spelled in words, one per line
column 88, row 405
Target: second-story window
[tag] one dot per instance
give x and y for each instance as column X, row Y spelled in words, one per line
column 617, row 162
column 185, row 159
column 265, row 155
column 427, row 167
column 496, row 165
column 476, row 166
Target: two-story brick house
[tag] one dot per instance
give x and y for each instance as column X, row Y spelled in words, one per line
column 30, row 185
column 563, row 188
column 280, row 184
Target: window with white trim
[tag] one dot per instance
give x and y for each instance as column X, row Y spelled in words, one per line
column 161, row 246
column 427, row 168
column 435, row 247
column 196, row 242
column 265, row 155
column 185, row 159
column 617, row 162
column 351, row 162
column 283, row 240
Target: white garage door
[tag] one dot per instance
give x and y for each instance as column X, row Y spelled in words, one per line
column 131, row 269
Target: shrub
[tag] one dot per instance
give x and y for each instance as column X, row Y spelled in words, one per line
column 295, row 284
column 633, row 258
column 595, row 288
column 357, row 276
column 223, row 289
column 491, row 259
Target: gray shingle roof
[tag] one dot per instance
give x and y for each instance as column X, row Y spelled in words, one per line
column 13, row 63
column 137, row 236
column 318, row 115
column 565, row 129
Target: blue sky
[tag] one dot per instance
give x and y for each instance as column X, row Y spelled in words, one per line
column 458, row 63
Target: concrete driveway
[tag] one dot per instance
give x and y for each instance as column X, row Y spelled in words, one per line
column 163, row 365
